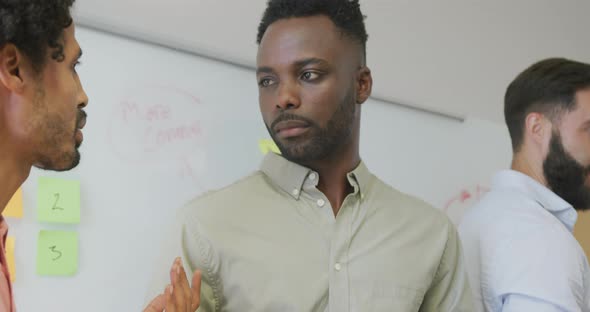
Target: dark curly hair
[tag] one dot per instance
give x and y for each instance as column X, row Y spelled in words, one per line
column 345, row 14
column 548, row 87
column 33, row 26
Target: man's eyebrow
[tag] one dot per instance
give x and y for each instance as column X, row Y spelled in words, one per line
column 265, row 70
column 297, row 64
column 310, row 61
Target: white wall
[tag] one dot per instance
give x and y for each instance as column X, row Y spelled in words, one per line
column 454, row 56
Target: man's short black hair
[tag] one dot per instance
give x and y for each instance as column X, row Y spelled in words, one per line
column 33, row 26
column 548, row 87
column 345, row 14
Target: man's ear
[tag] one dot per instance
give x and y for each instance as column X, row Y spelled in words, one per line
column 11, row 62
column 364, row 84
column 538, row 128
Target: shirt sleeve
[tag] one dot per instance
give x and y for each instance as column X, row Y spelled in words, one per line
column 184, row 238
column 198, row 254
column 518, row 303
column 541, row 266
column 450, row 289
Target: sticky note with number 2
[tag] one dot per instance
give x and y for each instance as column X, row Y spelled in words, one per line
column 58, row 200
column 57, row 253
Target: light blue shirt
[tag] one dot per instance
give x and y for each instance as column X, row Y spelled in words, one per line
column 520, row 252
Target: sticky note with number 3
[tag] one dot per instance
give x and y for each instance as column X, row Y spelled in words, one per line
column 58, row 200
column 57, row 253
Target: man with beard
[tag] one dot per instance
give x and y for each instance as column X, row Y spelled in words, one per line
column 41, row 101
column 520, row 251
column 41, row 116
column 314, row 229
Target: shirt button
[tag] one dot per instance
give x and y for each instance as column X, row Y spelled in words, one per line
column 337, row 267
column 312, row 176
column 295, row 192
column 321, row 202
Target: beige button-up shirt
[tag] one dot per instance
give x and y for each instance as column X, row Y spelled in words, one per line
column 271, row 242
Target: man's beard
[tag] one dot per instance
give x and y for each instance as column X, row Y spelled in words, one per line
column 565, row 176
column 323, row 142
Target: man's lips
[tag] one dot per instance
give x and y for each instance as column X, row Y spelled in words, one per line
column 81, row 119
column 290, row 128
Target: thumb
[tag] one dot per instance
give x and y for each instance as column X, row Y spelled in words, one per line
column 196, row 290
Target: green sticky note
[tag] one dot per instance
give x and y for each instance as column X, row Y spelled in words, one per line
column 58, row 200
column 57, row 253
column 268, row 145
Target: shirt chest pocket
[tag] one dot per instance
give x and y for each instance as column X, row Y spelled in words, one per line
column 379, row 297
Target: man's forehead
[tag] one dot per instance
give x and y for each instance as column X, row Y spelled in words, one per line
column 314, row 36
column 582, row 103
column 583, row 96
column 580, row 113
column 72, row 47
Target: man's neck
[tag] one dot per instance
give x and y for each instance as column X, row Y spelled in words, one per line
column 528, row 167
column 333, row 176
column 13, row 173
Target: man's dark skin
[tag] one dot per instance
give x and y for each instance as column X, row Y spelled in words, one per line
column 313, row 80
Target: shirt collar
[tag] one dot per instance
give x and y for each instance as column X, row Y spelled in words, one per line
column 361, row 177
column 291, row 177
column 556, row 205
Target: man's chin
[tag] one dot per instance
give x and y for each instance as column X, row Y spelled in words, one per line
column 305, row 153
column 583, row 205
column 294, row 152
column 580, row 199
column 63, row 163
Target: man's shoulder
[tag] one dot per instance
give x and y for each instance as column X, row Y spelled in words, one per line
column 409, row 206
column 234, row 195
column 502, row 212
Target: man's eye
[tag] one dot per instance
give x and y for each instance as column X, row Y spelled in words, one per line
column 309, row 75
column 265, row 82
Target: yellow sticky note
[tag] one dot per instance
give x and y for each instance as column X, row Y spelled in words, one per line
column 10, row 257
column 15, row 205
column 268, row 145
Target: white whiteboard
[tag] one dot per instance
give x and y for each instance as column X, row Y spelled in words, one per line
column 164, row 126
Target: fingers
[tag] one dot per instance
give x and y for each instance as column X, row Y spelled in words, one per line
column 179, row 296
column 170, row 302
column 157, row 304
column 177, row 293
column 183, row 289
column 196, row 290
column 186, row 287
